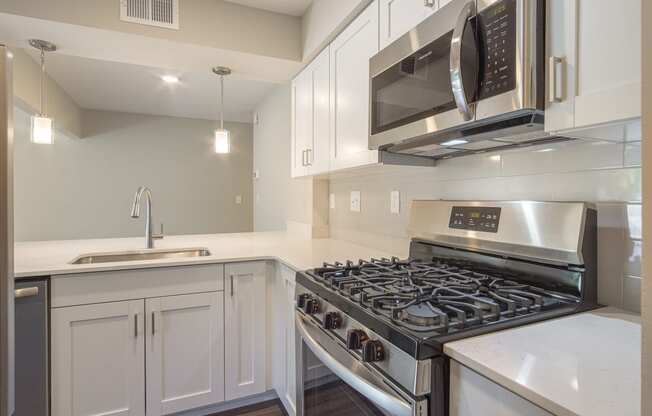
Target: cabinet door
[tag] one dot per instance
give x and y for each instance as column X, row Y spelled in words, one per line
column 98, row 358
column 598, row 70
column 319, row 146
column 185, row 352
column 350, row 53
column 245, row 329
column 301, row 123
column 290, row 345
column 399, row 16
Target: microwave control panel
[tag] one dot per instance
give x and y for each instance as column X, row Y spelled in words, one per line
column 484, row 219
column 497, row 31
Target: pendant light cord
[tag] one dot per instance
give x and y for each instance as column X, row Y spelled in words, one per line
column 42, row 82
column 222, row 102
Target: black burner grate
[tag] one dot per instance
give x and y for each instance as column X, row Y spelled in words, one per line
column 442, row 295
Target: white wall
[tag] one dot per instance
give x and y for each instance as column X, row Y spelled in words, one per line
column 607, row 174
column 272, row 161
column 83, row 188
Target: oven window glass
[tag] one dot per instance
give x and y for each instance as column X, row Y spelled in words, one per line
column 419, row 86
column 325, row 394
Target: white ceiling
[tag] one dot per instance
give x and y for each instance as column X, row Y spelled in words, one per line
column 114, row 86
column 291, row 7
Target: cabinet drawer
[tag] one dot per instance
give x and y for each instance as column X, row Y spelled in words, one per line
column 85, row 288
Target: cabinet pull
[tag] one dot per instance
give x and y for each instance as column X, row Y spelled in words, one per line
column 135, row 325
column 231, row 276
column 26, row 292
column 553, row 63
column 429, row 3
column 308, row 157
column 153, row 323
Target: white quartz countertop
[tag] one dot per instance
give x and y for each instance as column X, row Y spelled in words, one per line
column 587, row 364
column 47, row 258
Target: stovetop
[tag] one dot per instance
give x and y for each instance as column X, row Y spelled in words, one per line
column 438, row 297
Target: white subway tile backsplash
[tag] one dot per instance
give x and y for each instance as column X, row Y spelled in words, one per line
column 605, row 173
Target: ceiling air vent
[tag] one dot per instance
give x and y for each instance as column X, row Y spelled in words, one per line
column 160, row 13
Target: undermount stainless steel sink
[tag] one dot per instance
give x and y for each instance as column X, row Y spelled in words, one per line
column 92, row 258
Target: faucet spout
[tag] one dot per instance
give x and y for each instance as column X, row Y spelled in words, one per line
column 135, row 213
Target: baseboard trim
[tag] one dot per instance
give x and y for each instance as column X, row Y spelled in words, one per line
column 232, row 404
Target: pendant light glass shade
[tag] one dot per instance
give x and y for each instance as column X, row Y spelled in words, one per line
column 222, row 135
column 41, row 130
column 222, row 141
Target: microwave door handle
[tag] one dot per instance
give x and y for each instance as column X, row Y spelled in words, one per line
column 457, row 81
column 353, row 373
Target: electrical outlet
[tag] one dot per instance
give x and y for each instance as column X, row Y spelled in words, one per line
column 331, row 201
column 355, row 201
column 238, row 199
column 395, row 202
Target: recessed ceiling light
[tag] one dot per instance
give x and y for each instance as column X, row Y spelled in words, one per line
column 454, row 142
column 170, row 79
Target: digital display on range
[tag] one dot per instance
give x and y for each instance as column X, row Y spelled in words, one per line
column 486, row 219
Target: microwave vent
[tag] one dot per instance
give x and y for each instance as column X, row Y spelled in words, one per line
column 159, row 13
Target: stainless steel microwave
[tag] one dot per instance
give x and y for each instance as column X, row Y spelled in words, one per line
column 469, row 78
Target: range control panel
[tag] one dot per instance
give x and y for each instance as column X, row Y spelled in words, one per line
column 497, row 26
column 484, row 219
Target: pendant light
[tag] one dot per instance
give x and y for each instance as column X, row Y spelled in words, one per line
column 222, row 136
column 42, row 124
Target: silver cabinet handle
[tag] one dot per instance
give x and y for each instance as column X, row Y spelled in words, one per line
column 457, row 81
column 554, row 62
column 231, row 276
column 136, row 325
column 429, row 3
column 26, row 292
column 308, row 157
column 153, row 323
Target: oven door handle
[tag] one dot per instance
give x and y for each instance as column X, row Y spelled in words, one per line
column 354, row 373
column 457, row 81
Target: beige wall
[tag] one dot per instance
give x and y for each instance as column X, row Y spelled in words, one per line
column 212, row 23
column 607, row 174
column 59, row 105
column 646, row 300
column 323, row 20
column 84, row 188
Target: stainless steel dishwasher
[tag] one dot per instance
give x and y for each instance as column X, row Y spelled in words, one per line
column 32, row 341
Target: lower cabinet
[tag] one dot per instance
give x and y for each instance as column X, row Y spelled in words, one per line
column 290, row 342
column 185, row 352
column 245, row 327
column 98, row 359
column 101, row 354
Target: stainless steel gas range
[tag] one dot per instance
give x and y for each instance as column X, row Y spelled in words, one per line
column 370, row 333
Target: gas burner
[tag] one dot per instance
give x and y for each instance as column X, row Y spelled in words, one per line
column 440, row 295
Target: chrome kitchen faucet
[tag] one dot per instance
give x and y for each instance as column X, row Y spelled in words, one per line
column 135, row 213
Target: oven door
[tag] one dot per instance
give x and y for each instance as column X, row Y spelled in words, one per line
column 427, row 80
column 331, row 381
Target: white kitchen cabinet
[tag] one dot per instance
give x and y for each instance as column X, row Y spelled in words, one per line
column 594, row 63
column 349, row 59
column 185, row 352
column 98, row 359
column 311, row 118
column 245, row 329
column 474, row 395
column 399, row 16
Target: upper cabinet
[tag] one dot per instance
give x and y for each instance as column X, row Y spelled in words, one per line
column 594, row 63
column 310, row 118
column 399, row 16
column 350, row 53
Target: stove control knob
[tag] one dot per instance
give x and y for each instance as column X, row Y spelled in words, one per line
column 372, row 351
column 311, row 306
column 301, row 299
column 355, row 338
column 332, row 320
